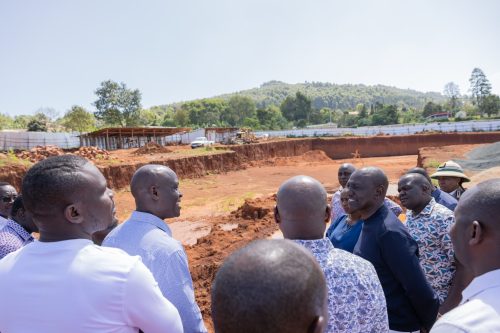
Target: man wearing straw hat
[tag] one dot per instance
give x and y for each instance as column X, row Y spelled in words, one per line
column 450, row 177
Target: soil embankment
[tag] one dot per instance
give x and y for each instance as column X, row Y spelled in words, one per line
column 397, row 145
column 119, row 173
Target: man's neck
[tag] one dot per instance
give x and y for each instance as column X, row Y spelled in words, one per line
column 417, row 210
column 371, row 211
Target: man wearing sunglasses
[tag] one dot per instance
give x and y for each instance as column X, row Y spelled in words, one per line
column 7, row 196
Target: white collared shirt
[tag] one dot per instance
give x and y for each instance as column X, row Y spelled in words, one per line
column 78, row 287
column 480, row 308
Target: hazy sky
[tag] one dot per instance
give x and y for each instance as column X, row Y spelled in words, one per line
column 56, row 53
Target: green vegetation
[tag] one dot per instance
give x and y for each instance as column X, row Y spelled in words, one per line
column 11, row 158
column 274, row 105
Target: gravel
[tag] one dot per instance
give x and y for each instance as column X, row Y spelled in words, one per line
column 482, row 158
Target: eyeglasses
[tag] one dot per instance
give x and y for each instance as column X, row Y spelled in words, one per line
column 9, row 198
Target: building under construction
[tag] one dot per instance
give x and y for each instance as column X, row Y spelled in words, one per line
column 132, row 137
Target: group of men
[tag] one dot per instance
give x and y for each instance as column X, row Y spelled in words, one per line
column 400, row 277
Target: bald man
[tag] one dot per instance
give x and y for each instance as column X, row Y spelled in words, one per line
column 429, row 224
column 476, row 238
column 356, row 302
column 156, row 192
column 269, row 286
column 384, row 241
column 344, row 173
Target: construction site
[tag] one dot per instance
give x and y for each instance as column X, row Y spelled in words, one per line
column 229, row 189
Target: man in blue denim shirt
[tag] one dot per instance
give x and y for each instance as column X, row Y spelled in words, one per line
column 156, row 192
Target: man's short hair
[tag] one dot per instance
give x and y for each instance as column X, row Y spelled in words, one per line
column 51, row 183
column 268, row 286
column 16, row 206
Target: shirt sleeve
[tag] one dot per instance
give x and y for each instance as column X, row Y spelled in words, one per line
column 144, row 305
column 8, row 244
column 174, row 279
column 400, row 253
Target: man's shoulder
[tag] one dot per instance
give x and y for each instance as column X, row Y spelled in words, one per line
column 442, row 211
column 473, row 316
column 347, row 261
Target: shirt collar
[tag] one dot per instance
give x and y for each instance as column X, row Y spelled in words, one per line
column 480, row 284
column 19, row 230
column 142, row 217
column 316, row 245
column 426, row 211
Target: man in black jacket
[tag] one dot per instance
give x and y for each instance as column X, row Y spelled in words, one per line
column 412, row 305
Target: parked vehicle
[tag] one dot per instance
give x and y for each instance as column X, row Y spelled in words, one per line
column 201, row 142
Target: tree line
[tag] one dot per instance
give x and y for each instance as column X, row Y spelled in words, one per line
column 273, row 106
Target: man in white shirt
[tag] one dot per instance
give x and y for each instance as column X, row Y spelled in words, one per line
column 64, row 283
column 476, row 238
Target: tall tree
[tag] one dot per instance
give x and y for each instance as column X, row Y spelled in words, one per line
column 297, row 108
column 117, row 105
column 78, row 119
column 431, row 108
column 39, row 123
column 480, row 87
column 238, row 109
column 452, row 91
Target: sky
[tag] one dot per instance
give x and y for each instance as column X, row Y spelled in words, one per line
column 55, row 53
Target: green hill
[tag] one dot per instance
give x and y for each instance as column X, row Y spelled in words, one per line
column 337, row 96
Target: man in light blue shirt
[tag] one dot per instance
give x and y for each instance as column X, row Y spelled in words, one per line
column 156, row 192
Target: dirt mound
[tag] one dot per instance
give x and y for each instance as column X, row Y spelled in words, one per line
column 254, row 209
column 93, row 153
column 39, row 153
column 42, row 152
column 152, row 148
column 482, row 158
column 210, row 251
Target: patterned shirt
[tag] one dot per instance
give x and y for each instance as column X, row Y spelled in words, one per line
column 431, row 230
column 13, row 237
column 338, row 211
column 150, row 238
column 356, row 301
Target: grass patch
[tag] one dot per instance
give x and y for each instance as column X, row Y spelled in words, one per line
column 432, row 164
column 11, row 159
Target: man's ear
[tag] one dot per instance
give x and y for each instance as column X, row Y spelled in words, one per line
column 277, row 217
column 328, row 213
column 476, row 235
column 318, row 325
column 153, row 191
column 73, row 213
column 380, row 191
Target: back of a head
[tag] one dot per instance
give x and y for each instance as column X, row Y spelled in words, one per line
column 302, row 207
column 268, row 286
column 482, row 203
column 49, row 185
